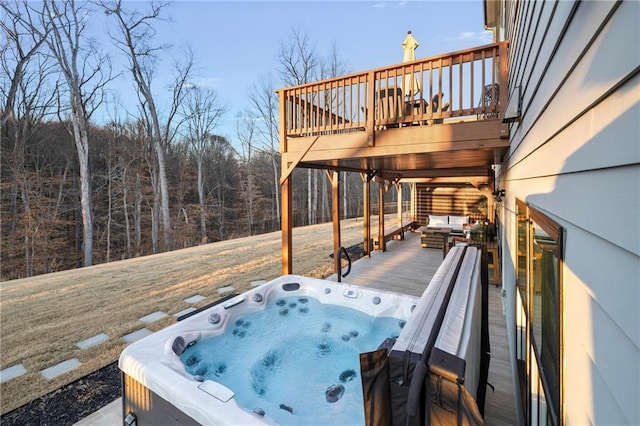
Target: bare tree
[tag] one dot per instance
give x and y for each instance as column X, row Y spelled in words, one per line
column 246, row 132
column 135, row 35
column 330, row 67
column 22, row 43
column 62, row 24
column 298, row 59
column 299, row 65
column 264, row 109
column 222, row 180
column 30, row 96
column 202, row 112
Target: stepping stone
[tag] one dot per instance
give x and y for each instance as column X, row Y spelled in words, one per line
column 225, row 289
column 195, row 299
column 257, row 283
column 12, row 372
column 153, row 317
column 184, row 311
column 137, row 335
column 92, row 341
column 61, row 368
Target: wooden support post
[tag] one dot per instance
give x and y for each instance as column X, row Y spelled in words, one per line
column 287, row 225
column 370, row 117
column 335, row 213
column 366, row 200
column 286, row 193
column 414, row 201
column 382, row 245
column 399, row 193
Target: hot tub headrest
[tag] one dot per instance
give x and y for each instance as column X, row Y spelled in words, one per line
column 178, row 346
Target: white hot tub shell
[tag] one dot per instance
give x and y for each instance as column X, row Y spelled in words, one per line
column 156, row 386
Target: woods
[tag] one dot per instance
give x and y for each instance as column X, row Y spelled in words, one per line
column 78, row 191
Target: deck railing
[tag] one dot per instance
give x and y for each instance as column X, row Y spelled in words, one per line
column 426, row 91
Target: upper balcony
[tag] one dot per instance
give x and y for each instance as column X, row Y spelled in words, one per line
column 438, row 117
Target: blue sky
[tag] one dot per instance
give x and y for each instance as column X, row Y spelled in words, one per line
column 235, row 42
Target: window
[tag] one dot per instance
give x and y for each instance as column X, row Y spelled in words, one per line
column 522, row 224
column 521, row 247
column 539, row 328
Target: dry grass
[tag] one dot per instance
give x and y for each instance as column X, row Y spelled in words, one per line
column 42, row 318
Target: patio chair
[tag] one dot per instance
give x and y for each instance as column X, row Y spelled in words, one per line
column 437, row 106
column 390, row 103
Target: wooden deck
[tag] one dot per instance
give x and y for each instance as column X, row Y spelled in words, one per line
column 407, row 268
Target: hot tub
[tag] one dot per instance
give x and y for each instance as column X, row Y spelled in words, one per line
column 164, row 378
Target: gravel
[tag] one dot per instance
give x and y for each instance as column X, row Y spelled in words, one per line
column 72, row 402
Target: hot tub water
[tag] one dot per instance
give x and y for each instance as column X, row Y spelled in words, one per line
column 297, row 360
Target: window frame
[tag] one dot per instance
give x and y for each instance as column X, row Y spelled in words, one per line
column 532, row 365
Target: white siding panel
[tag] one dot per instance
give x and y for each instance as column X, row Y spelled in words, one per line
column 545, row 9
column 607, row 410
column 520, row 44
column 560, row 16
column 614, row 137
column 580, row 374
column 588, row 81
column 531, row 62
column 607, row 136
column 611, row 379
column 591, row 200
column 604, row 271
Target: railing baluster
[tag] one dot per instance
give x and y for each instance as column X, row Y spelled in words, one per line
column 422, row 109
column 301, row 109
column 318, row 94
column 330, row 111
column 335, row 99
column 304, row 114
column 294, row 110
column 370, row 101
column 430, row 100
column 350, row 102
column 484, row 84
column 496, row 64
column 358, row 104
column 472, row 85
column 344, row 106
column 460, row 89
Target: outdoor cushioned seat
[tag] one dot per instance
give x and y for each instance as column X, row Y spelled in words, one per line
column 456, row 223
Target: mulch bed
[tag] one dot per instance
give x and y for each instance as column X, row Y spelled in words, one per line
column 72, row 402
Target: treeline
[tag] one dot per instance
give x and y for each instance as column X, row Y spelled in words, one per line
column 41, row 223
column 76, row 192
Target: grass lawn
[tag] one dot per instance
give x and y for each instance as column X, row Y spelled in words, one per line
column 42, row 318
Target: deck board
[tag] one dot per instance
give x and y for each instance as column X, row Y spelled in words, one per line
column 407, row 268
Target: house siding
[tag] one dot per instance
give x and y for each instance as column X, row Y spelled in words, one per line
column 575, row 156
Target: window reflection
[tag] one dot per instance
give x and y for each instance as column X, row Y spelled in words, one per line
column 521, row 246
column 539, row 327
column 546, row 307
